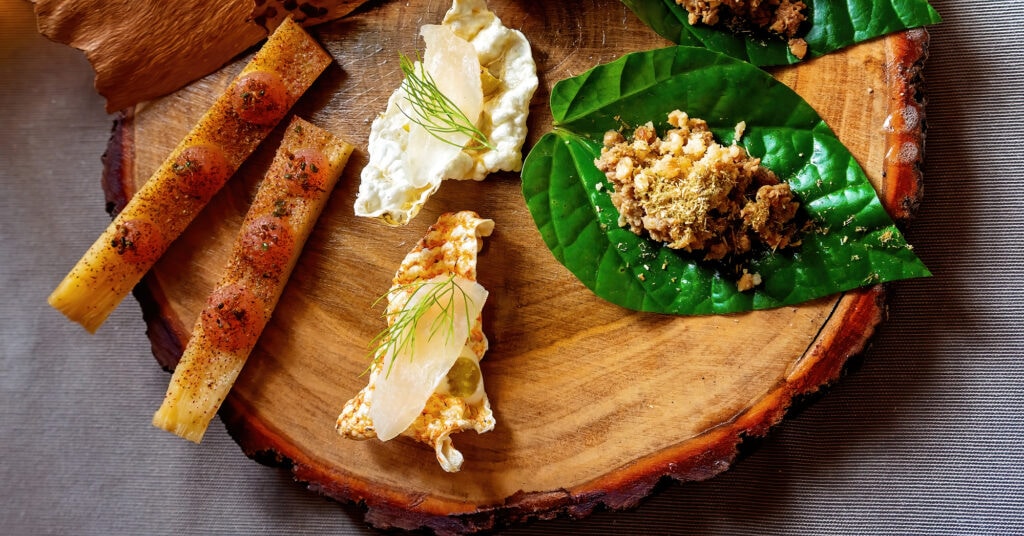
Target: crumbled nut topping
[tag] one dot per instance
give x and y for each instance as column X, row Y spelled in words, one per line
column 781, row 17
column 697, row 195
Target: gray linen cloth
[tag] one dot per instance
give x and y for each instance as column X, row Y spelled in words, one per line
column 925, row 436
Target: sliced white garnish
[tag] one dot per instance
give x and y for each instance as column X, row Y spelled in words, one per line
column 451, row 61
column 413, row 371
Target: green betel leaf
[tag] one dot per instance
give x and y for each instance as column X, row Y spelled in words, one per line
column 832, row 25
column 854, row 241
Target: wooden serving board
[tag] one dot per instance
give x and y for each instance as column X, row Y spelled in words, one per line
column 594, row 403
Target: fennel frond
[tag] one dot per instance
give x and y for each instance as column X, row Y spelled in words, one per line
column 434, row 111
column 400, row 335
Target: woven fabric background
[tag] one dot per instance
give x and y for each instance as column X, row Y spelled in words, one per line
column 924, row 436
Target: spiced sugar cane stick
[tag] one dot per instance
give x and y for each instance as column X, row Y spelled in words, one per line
column 287, row 205
column 255, row 102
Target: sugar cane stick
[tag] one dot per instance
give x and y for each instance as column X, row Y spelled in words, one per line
column 287, row 204
column 255, row 102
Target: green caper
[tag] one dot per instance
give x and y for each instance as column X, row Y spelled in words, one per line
column 463, row 377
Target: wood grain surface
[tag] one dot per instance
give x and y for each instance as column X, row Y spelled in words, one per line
column 594, row 403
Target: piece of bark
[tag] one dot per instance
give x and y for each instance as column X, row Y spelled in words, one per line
column 270, row 13
column 145, row 49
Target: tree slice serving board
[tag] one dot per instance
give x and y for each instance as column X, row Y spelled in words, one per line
column 594, row 403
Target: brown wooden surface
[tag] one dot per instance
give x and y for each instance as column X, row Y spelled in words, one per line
column 594, row 403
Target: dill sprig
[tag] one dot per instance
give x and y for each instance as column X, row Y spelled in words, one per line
column 434, row 111
column 400, row 335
